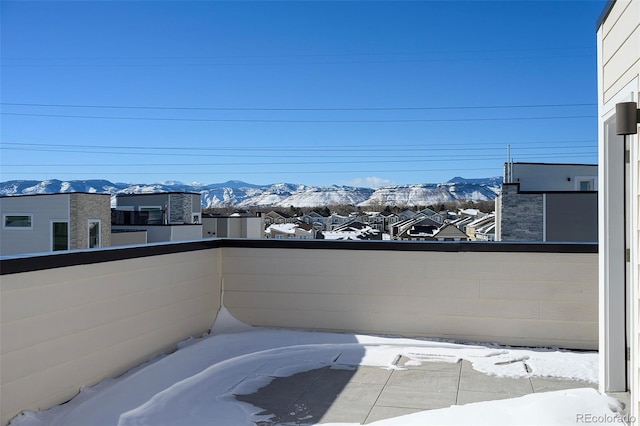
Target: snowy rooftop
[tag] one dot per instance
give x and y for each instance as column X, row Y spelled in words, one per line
column 240, row 375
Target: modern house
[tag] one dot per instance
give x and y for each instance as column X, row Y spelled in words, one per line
column 618, row 40
column 235, row 225
column 162, row 208
column 164, row 216
column 548, row 202
column 52, row 222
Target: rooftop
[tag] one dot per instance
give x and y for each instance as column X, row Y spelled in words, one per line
column 245, row 375
column 82, row 319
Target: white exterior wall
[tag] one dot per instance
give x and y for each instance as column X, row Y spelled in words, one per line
column 254, row 227
column 44, row 209
column 552, row 177
column 619, row 81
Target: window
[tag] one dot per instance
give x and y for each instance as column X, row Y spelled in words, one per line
column 154, row 215
column 94, row 233
column 585, row 183
column 60, row 235
column 18, row 221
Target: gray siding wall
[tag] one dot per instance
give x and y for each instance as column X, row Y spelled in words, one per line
column 572, row 217
column 551, row 177
column 44, row 209
column 143, row 200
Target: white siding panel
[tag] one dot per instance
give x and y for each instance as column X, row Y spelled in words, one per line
column 492, row 296
column 622, row 59
column 73, row 326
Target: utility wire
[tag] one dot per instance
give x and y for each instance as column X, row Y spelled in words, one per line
column 460, row 107
column 424, row 52
column 352, row 62
column 365, row 153
column 431, row 120
column 299, row 163
column 280, row 172
column 334, row 148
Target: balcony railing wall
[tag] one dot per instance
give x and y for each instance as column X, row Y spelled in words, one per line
column 73, row 319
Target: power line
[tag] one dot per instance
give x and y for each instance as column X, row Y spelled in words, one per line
column 425, row 52
column 353, row 62
column 430, row 120
column 340, row 147
column 307, row 171
column 479, row 157
column 460, row 107
column 367, row 152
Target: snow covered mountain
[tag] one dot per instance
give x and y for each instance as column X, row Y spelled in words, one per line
column 241, row 194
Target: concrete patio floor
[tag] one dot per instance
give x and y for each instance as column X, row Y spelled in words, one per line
column 361, row 394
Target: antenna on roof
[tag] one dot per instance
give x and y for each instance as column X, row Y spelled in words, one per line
column 509, row 171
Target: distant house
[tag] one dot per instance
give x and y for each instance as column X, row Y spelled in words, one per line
column 52, row 222
column 480, row 226
column 274, row 217
column 164, row 216
column 299, row 231
column 381, row 220
column 486, row 232
column 462, row 222
column 336, row 220
column 354, row 230
column 314, row 218
column 406, row 214
column 418, row 228
column 433, row 215
column 449, row 232
column 548, row 202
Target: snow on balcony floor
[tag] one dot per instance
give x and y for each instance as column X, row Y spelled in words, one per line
column 207, row 381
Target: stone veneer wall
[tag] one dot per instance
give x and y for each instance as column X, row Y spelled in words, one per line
column 522, row 215
column 180, row 210
column 83, row 207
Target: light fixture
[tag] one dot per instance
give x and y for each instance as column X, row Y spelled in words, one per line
column 627, row 118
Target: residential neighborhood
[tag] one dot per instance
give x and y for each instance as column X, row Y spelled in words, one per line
column 538, row 202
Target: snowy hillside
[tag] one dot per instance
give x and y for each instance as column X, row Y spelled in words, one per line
column 241, row 194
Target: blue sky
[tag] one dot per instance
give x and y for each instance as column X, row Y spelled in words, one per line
column 319, row 93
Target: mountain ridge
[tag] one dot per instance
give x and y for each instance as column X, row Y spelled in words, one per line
column 236, row 193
